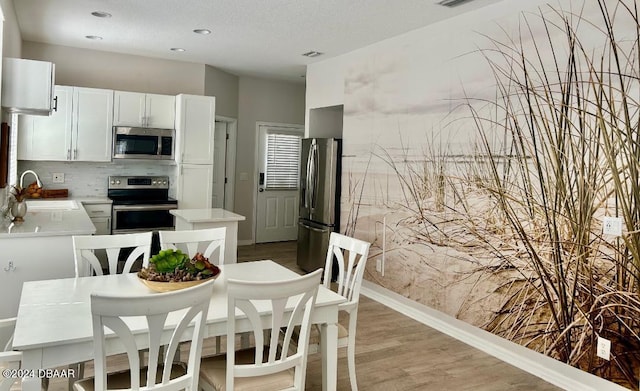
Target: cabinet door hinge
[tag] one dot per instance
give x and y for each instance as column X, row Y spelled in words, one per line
column 225, row 180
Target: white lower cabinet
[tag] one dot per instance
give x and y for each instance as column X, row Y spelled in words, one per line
column 31, row 259
column 194, row 186
column 100, row 215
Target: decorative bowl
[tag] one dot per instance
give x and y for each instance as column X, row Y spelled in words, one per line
column 169, row 286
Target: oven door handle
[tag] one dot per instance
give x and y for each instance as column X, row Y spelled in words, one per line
column 144, row 207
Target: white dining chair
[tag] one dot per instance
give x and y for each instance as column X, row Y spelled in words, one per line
column 87, row 263
column 9, row 360
column 172, row 316
column 270, row 365
column 7, row 328
column 209, row 242
column 350, row 257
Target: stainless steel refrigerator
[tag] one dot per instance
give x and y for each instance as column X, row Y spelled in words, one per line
column 319, row 214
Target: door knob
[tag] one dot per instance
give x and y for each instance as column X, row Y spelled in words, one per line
column 261, row 190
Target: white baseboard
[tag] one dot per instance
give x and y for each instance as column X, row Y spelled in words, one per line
column 246, row 242
column 544, row 367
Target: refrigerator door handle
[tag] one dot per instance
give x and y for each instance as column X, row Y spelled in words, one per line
column 307, row 185
column 314, row 180
column 313, row 228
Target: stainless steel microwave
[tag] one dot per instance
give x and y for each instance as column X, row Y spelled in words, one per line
column 143, row 143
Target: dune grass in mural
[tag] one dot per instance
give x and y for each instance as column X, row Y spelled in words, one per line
column 573, row 158
column 524, row 217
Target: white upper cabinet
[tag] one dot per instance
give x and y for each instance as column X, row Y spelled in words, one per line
column 195, row 128
column 47, row 138
column 80, row 129
column 27, row 86
column 92, row 134
column 144, row 110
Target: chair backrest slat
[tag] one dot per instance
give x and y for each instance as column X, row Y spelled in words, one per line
column 87, row 262
column 7, row 328
column 350, row 270
column 210, row 242
column 165, row 313
column 9, row 360
column 290, row 303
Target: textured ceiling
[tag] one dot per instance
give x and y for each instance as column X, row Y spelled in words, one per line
column 249, row 37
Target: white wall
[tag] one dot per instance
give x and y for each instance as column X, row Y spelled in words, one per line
column 260, row 100
column 96, row 69
column 224, row 86
column 325, row 122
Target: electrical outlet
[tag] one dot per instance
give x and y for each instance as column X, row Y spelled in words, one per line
column 379, row 265
column 58, row 177
column 604, row 348
column 612, row 226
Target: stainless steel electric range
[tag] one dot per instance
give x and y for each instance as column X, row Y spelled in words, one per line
column 140, row 203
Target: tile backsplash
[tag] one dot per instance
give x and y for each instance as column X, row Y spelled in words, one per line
column 89, row 179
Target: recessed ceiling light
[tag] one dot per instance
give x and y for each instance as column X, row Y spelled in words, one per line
column 202, row 31
column 101, row 14
column 312, row 53
column 93, row 37
column 177, row 49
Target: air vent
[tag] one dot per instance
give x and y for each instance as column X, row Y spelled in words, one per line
column 312, row 53
column 452, row 3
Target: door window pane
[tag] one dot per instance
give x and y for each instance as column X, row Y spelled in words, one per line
column 283, row 161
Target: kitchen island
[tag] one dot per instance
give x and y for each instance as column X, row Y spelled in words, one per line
column 39, row 248
column 189, row 219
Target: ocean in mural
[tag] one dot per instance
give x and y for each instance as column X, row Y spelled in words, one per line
column 484, row 173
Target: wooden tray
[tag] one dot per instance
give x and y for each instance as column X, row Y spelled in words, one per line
column 55, row 193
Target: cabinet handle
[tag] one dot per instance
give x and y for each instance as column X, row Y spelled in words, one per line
column 75, row 154
column 68, row 154
column 109, row 225
column 10, row 267
column 55, row 104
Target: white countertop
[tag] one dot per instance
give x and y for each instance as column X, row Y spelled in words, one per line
column 49, row 222
column 206, row 215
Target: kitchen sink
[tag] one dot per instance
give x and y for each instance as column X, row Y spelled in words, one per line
column 33, row 205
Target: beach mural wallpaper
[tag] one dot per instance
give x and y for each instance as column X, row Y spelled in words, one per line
column 485, row 173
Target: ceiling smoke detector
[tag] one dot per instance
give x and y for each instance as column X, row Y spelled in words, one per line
column 452, row 3
column 312, row 53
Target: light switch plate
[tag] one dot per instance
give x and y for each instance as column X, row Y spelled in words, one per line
column 58, row 177
column 612, row 225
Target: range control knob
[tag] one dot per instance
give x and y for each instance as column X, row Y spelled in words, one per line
column 164, row 182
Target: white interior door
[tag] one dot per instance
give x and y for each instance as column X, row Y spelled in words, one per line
column 277, row 190
column 219, row 164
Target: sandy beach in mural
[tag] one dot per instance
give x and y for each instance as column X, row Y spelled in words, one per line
column 490, row 209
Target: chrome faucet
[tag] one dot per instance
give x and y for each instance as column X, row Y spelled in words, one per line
column 29, row 172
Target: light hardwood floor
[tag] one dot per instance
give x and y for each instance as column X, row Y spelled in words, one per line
column 393, row 352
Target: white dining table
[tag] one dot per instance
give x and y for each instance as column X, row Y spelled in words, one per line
column 53, row 326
